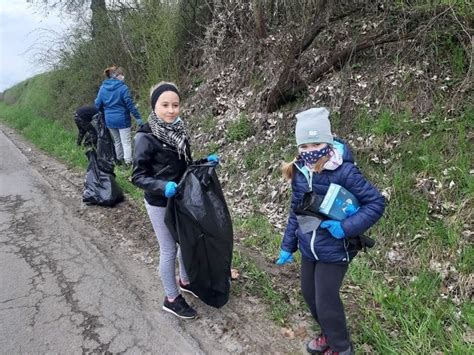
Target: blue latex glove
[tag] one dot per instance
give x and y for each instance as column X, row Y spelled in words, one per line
column 351, row 210
column 285, row 257
column 170, row 189
column 335, row 228
column 139, row 121
column 213, row 158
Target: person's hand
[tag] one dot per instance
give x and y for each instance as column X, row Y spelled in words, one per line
column 285, row 257
column 170, row 189
column 351, row 210
column 213, row 158
column 334, row 227
column 139, row 121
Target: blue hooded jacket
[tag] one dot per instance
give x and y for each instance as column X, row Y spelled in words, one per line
column 114, row 97
column 319, row 245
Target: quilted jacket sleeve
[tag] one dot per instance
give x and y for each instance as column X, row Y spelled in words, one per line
column 372, row 203
column 142, row 175
column 299, row 187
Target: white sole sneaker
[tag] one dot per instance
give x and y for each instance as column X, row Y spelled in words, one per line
column 166, row 309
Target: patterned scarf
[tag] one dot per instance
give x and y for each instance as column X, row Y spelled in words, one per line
column 173, row 134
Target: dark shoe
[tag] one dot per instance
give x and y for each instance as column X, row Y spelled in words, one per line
column 186, row 288
column 348, row 351
column 318, row 345
column 179, row 308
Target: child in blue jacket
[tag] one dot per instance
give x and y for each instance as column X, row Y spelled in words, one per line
column 326, row 251
column 115, row 100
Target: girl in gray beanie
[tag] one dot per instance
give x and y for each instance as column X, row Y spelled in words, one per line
column 326, row 248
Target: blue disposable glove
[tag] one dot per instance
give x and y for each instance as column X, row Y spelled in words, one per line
column 285, row 257
column 139, row 121
column 334, row 227
column 351, row 210
column 213, row 158
column 170, row 189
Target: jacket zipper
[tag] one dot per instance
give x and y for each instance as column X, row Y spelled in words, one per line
column 313, row 237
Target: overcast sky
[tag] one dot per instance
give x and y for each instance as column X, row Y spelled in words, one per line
column 22, row 27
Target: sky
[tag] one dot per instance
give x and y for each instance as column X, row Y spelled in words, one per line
column 21, row 28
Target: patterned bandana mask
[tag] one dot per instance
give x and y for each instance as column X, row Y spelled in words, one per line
column 311, row 157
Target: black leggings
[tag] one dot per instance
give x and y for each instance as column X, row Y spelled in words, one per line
column 320, row 284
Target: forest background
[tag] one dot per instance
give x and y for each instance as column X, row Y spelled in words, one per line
column 397, row 77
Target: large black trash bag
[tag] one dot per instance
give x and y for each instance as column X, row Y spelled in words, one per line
column 200, row 222
column 100, row 187
column 105, row 144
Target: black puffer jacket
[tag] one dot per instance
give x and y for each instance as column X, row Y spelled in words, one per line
column 154, row 164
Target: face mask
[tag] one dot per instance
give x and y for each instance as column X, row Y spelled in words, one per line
column 311, row 157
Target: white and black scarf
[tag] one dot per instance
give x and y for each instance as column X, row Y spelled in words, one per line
column 173, row 134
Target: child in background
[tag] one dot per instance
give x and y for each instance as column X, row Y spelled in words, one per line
column 115, row 101
column 326, row 252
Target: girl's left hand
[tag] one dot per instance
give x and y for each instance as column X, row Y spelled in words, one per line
column 334, row 227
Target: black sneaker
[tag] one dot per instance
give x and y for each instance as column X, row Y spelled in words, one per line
column 179, row 308
column 186, row 288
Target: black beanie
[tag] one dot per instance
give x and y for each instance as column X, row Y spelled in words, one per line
column 159, row 90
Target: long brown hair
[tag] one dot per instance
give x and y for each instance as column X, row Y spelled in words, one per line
column 288, row 168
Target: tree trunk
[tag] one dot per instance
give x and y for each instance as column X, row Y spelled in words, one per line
column 99, row 17
column 260, row 20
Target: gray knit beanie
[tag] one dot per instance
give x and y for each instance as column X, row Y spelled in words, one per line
column 313, row 126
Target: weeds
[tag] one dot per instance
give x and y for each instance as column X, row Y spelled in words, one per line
column 239, row 130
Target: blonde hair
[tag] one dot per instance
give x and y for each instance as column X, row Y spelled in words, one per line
column 156, row 86
column 288, row 168
column 108, row 72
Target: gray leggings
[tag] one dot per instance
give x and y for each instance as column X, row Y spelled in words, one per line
column 168, row 252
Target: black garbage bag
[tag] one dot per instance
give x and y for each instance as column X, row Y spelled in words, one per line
column 87, row 134
column 200, row 222
column 105, row 144
column 100, row 187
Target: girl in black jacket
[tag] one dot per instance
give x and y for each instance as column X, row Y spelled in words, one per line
column 162, row 154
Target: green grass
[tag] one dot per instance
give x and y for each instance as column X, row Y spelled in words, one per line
column 257, row 232
column 408, row 317
column 240, row 129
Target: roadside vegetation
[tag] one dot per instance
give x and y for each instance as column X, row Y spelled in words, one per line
column 405, row 106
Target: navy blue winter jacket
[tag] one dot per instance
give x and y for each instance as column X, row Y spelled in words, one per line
column 319, row 245
column 114, row 97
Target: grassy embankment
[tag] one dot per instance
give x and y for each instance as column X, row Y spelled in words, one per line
column 405, row 304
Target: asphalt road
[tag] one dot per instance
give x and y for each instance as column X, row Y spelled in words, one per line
column 59, row 291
